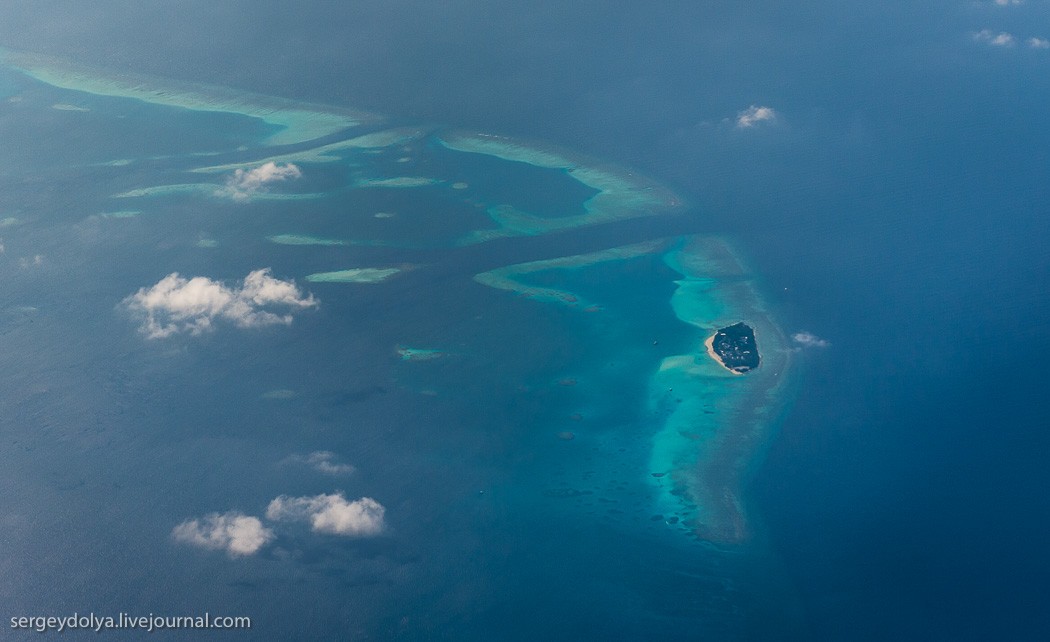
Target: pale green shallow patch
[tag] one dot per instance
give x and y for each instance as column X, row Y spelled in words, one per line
column 354, row 275
column 331, row 152
column 297, row 122
column 8, row 221
column 505, row 149
column 418, row 354
column 398, row 181
column 121, row 214
column 214, row 190
column 323, row 154
column 714, row 424
column 386, row 138
column 299, row 239
column 620, row 195
column 508, row 278
column 68, row 107
column 708, row 426
column 204, row 189
column 166, row 190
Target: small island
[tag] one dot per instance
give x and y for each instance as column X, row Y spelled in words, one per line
column 734, row 347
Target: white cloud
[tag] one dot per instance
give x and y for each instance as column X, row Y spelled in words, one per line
column 27, row 262
column 809, row 340
column 754, row 115
column 331, row 514
column 234, row 532
column 243, row 183
column 1004, row 3
column 176, row 304
column 325, row 461
column 1039, row 43
column 1001, row 39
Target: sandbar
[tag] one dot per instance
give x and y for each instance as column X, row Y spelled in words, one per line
column 709, row 343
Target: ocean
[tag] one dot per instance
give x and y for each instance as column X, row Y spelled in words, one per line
column 891, row 213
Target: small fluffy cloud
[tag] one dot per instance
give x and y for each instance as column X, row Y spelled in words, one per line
column 1039, row 43
column 27, row 262
column 1001, row 39
column 754, row 115
column 234, row 532
column 176, row 304
column 1004, row 3
column 243, row 183
column 809, row 340
column 331, row 514
column 325, row 461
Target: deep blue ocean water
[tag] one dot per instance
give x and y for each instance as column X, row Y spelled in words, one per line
column 896, row 209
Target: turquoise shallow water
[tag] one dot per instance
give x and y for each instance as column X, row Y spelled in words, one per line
column 543, row 428
column 894, row 207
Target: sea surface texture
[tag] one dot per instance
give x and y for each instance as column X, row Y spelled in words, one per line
column 319, row 373
column 388, row 319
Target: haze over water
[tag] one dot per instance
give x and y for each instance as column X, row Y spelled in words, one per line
column 891, row 206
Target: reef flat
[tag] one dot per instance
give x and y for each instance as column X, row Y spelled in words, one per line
column 302, row 239
column 354, row 275
column 559, row 401
column 331, row 152
column 510, row 277
column 212, row 190
column 706, row 426
column 419, row 354
column 619, row 194
column 295, row 122
column 398, row 182
column 714, row 425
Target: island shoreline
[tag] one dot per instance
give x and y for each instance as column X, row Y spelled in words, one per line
column 709, row 343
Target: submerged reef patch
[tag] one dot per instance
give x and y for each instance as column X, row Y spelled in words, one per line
column 619, row 194
column 354, row 275
column 294, row 122
column 703, row 426
column 707, row 428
